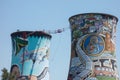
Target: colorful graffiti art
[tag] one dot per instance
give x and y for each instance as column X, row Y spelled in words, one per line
column 30, row 55
column 93, row 47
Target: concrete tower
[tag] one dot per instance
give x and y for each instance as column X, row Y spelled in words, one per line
column 30, row 53
column 93, row 47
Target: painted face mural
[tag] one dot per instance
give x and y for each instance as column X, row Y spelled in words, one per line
column 93, row 47
column 30, row 55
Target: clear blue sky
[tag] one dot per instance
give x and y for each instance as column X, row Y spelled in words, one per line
column 49, row 15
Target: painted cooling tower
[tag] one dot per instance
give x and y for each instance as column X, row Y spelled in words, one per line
column 93, row 47
column 30, row 52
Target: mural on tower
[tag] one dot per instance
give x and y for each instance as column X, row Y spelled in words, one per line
column 93, row 47
column 30, row 53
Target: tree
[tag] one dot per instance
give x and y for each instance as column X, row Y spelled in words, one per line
column 6, row 75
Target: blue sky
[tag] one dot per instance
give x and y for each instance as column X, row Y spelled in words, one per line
column 49, row 15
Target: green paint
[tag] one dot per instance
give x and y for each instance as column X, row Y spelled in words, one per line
column 105, row 78
column 20, row 43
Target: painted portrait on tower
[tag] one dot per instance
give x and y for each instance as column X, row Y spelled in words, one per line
column 93, row 45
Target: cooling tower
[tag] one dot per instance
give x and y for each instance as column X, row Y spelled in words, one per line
column 93, row 47
column 30, row 53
